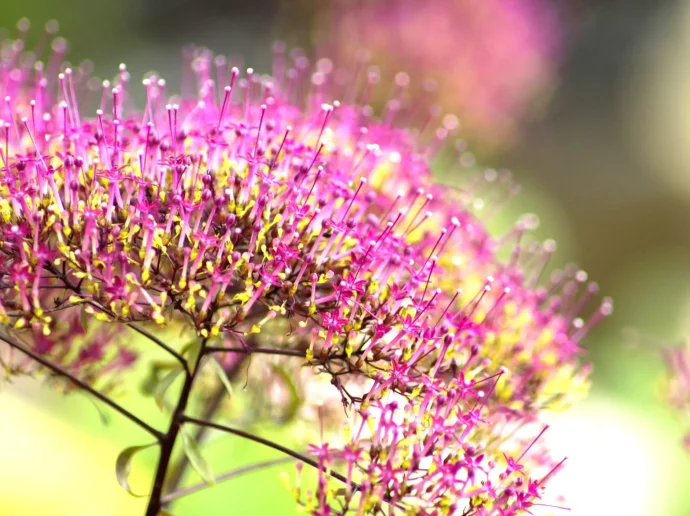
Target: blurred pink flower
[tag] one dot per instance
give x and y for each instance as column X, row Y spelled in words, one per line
column 493, row 60
column 678, row 386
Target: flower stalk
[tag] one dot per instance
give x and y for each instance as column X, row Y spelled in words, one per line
column 169, row 439
column 211, row 407
column 59, row 371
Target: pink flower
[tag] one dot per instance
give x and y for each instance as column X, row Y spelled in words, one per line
column 491, row 62
column 256, row 214
column 678, row 389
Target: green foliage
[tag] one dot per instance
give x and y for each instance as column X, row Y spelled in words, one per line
column 123, row 466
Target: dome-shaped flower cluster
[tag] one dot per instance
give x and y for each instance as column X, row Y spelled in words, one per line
column 264, row 213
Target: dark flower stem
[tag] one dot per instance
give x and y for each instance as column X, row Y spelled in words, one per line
column 62, row 372
column 170, row 437
column 259, row 350
column 155, row 340
column 215, row 400
column 75, row 288
column 210, row 409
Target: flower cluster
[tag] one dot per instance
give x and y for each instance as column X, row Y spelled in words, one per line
column 678, row 386
column 96, row 354
column 489, row 61
column 262, row 213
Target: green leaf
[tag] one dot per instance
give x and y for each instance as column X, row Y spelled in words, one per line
column 163, row 386
column 154, row 374
column 222, row 375
column 102, row 415
column 192, row 350
column 84, row 318
column 196, row 460
column 123, row 466
column 295, row 401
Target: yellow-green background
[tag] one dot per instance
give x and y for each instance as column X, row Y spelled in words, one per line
column 606, row 168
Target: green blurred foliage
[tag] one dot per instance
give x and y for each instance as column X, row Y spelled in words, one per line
column 68, row 446
column 96, row 30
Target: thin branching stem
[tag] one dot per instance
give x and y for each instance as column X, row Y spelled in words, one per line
column 211, row 406
column 139, row 329
column 168, row 441
column 258, row 349
column 225, row 476
column 62, row 372
column 159, row 342
column 266, row 442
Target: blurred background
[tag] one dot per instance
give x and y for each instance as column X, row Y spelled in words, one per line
column 585, row 103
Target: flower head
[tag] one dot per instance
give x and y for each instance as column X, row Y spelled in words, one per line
column 678, row 386
column 488, row 61
column 261, row 214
